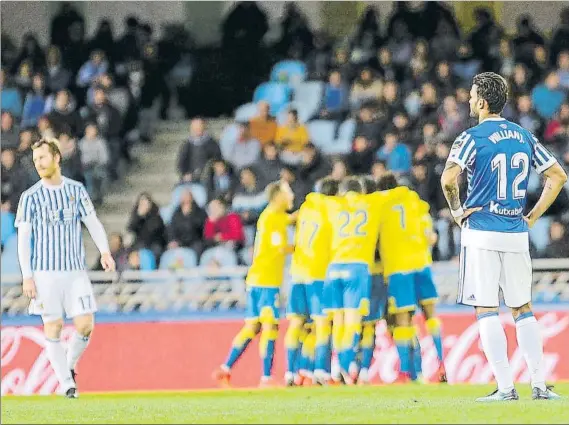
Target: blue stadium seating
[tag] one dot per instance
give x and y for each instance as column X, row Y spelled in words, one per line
column 147, row 260
column 289, row 71
column 343, row 144
column 10, row 262
column 307, row 100
column 321, row 133
column 244, row 113
column 198, row 192
column 224, row 256
column 228, row 139
column 276, row 94
column 7, row 228
column 175, row 257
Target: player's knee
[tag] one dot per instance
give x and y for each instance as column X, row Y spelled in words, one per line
column 403, row 319
column 517, row 311
column 84, row 325
column 428, row 310
column 482, row 311
column 52, row 330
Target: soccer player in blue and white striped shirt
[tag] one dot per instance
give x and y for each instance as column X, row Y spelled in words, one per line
column 52, row 258
column 497, row 155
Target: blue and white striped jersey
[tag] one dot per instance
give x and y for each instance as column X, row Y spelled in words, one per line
column 497, row 155
column 55, row 214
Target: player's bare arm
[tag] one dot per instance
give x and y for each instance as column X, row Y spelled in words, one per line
column 555, row 179
column 449, row 182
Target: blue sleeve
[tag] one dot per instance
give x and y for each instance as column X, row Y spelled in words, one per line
column 463, row 150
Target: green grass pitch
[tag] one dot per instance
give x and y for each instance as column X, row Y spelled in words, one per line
column 364, row 405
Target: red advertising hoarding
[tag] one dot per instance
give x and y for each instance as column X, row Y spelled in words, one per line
column 182, row 355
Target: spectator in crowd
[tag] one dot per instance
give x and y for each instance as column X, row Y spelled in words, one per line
column 391, row 99
column 558, row 246
column 383, row 64
column 507, row 60
column 31, row 58
column 313, row 165
column 24, row 154
column 341, row 63
column 563, row 69
column 147, row 225
column 420, row 182
column 335, row 101
column 128, row 45
column 246, row 150
column 58, row 77
column 485, row 38
column 467, row 65
column 62, row 22
column 11, row 98
column 223, row 228
column 96, row 66
column 339, row 170
column 71, row 165
column 451, row 121
column 369, row 126
column 526, row 39
column 133, row 262
column 64, row 114
column 299, row 187
column 10, row 131
column 118, row 251
column 291, row 137
column 14, row 179
column 366, row 89
column 34, row 104
column 378, row 169
column 268, row 166
column 548, row 97
column 401, row 46
column 396, row 155
column 539, row 65
column 219, row 180
column 520, row 81
column 94, row 159
column 104, row 40
column 444, row 44
column 23, row 78
column 318, row 61
column 250, row 198
column 360, row 159
column 196, row 152
column 526, row 116
column 560, row 39
column 187, row 225
column 263, row 127
column 109, row 122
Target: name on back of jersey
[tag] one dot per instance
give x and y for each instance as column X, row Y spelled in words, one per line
column 506, row 134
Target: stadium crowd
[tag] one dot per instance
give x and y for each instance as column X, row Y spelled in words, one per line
column 406, row 87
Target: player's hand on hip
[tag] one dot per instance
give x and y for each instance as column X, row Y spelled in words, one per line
column 29, row 288
column 467, row 212
column 530, row 221
column 108, row 262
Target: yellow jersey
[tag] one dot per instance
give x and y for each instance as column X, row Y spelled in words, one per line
column 269, row 255
column 426, row 223
column 312, row 241
column 400, row 240
column 355, row 219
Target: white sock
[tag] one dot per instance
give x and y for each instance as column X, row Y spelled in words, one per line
column 56, row 355
column 77, row 346
column 495, row 347
column 531, row 344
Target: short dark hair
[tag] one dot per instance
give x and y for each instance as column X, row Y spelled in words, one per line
column 492, row 88
column 327, row 186
column 369, row 184
column 351, row 184
column 387, row 181
column 293, row 112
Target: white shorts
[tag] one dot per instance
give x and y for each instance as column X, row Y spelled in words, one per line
column 483, row 273
column 62, row 292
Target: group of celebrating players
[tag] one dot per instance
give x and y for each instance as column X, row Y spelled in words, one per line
column 362, row 251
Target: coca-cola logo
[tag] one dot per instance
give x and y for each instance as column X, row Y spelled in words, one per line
column 24, row 356
column 464, row 359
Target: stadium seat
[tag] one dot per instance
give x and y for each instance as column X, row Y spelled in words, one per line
column 228, row 139
column 343, row 144
column 7, row 228
column 166, row 212
column 178, row 258
column 321, row 132
column 539, row 234
column 246, row 255
column 10, row 262
column 147, row 260
column 276, row 94
column 245, row 112
column 198, row 192
column 289, row 71
column 307, row 101
column 225, row 257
